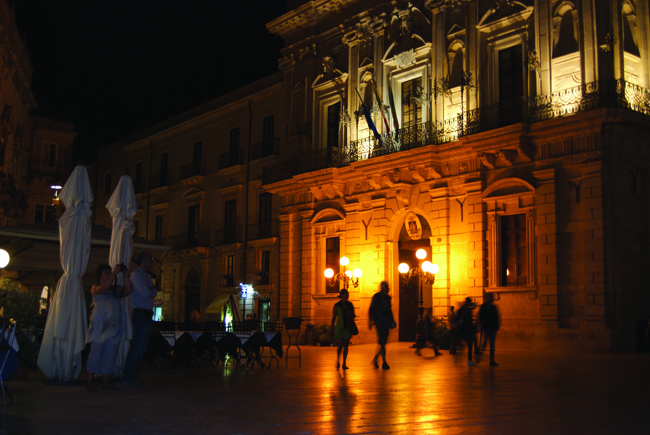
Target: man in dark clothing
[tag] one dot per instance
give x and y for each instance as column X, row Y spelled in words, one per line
column 465, row 326
column 488, row 318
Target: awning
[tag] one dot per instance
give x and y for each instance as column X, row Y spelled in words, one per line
column 35, row 256
column 216, row 307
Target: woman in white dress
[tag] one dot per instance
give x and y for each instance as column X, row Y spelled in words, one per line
column 107, row 328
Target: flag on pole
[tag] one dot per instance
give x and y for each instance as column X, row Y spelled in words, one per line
column 392, row 106
column 381, row 107
column 371, row 125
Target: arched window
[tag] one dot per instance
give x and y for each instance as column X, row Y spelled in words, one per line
column 456, row 57
column 629, row 29
column 565, row 28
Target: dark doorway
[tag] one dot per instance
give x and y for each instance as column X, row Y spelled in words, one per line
column 192, row 293
column 408, row 300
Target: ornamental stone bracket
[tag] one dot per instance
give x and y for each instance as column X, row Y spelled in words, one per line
column 328, row 191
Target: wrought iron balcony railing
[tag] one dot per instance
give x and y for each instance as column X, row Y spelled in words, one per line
column 190, row 240
column 596, row 95
column 161, row 180
column 228, row 235
column 231, row 159
column 263, row 230
column 191, row 170
column 264, row 149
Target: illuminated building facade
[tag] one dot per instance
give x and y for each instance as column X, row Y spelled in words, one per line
column 512, row 150
column 514, row 140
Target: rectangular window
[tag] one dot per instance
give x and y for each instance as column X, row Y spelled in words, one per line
column 197, row 158
column 230, row 271
column 411, row 109
column 193, row 226
column 332, row 257
column 107, row 184
column 160, row 226
column 51, row 155
column 514, row 262
column 138, row 178
column 39, row 214
column 333, row 117
column 265, row 267
column 511, row 80
column 234, row 146
column 50, row 213
column 265, row 213
column 164, row 167
column 230, row 214
column 269, row 136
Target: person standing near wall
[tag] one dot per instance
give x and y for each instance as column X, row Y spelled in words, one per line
column 144, row 292
column 488, row 318
column 465, row 325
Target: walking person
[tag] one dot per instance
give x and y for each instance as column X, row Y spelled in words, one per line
column 107, row 328
column 381, row 314
column 343, row 316
column 465, row 326
column 144, row 292
column 488, row 318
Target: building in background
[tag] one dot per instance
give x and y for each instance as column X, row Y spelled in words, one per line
column 506, row 139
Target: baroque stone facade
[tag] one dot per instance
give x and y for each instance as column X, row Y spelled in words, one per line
column 506, row 139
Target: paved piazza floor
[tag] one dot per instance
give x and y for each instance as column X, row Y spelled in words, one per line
column 529, row 393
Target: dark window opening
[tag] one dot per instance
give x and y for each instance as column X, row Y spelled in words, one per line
column 511, row 75
column 269, row 133
column 265, row 213
column 193, row 226
column 230, row 271
column 197, row 158
column 138, row 178
column 164, row 166
column 332, row 257
column 514, row 264
column 160, row 225
column 333, row 117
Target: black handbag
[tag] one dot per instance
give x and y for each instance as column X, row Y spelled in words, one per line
column 353, row 328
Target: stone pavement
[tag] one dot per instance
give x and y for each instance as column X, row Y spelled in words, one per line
column 529, row 393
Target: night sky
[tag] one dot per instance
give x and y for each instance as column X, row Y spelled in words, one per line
column 115, row 68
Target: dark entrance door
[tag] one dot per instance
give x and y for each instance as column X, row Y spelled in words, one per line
column 192, row 294
column 408, row 300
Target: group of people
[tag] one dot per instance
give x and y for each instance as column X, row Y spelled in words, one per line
column 380, row 315
column 108, row 326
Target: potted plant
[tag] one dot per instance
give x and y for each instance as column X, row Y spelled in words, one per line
column 321, row 335
column 23, row 307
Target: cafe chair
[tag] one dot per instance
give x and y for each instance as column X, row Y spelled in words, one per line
column 292, row 325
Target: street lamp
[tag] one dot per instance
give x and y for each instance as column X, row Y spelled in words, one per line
column 4, row 259
column 346, row 277
column 426, row 271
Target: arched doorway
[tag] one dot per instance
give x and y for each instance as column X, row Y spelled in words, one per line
column 415, row 234
column 192, row 293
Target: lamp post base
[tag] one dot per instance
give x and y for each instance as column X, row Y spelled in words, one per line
column 421, row 337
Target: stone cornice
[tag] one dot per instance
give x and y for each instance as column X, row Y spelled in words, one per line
column 308, row 14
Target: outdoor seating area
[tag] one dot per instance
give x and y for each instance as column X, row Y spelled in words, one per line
column 241, row 345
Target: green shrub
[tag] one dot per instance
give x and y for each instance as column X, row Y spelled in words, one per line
column 441, row 334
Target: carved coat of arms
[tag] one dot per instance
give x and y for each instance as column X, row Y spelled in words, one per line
column 413, row 226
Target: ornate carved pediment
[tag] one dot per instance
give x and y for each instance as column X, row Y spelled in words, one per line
column 404, row 31
column 353, row 34
column 330, row 73
column 377, row 24
column 193, row 194
column 286, row 62
column 502, row 14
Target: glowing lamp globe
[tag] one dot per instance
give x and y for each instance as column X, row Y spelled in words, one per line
column 4, row 258
column 421, row 254
column 357, row 273
column 344, row 261
column 434, row 269
column 426, row 266
column 329, row 273
column 403, row 268
column 348, row 273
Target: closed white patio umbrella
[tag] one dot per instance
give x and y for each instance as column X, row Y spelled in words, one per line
column 122, row 206
column 65, row 331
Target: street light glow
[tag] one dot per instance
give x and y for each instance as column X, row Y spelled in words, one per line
column 4, row 258
column 344, row 261
column 357, row 273
column 421, row 254
column 403, row 268
column 426, row 266
column 348, row 273
column 434, row 268
column 329, row 273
